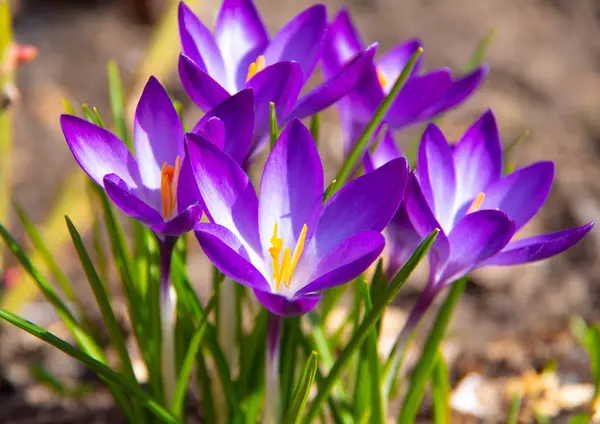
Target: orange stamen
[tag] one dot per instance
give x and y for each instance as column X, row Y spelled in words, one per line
column 381, row 78
column 476, row 204
column 256, row 67
column 169, row 180
column 284, row 270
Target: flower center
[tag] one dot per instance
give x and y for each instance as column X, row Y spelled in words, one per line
column 476, row 204
column 256, row 67
column 169, row 178
column 381, row 78
column 283, row 268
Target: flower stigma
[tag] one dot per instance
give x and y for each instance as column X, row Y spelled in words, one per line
column 169, row 178
column 476, row 204
column 256, row 67
column 283, row 269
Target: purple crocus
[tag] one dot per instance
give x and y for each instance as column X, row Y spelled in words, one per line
column 461, row 190
column 424, row 96
column 240, row 55
column 285, row 244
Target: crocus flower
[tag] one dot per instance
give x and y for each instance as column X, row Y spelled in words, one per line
column 424, row 95
column 461, row 190
column 284, row 243
column 239, row 55
column 153, row 187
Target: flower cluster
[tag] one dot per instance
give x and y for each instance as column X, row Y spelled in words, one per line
column 286, row 243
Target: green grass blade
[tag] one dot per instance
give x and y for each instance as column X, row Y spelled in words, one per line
column 273, row 129
column 300, row 396
column 377, row 406
column 81, row 336
column 108, row 315
column 188, row 363
column 440, row 387
column 315, row 127
column 40, row 246
column 515, row 409
column 45, row 378
column 363, row 141
column 208, row 408
column 117, row 103
column 95, row 365
column 367, row 323
column 480, row 52
column 422, row 373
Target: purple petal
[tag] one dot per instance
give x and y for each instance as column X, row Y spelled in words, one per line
column 386, row 151
column 391, row 63
column 291, row 189
column 366, row 96
column 211, row 129
column 300, row 40
column 187, row 189
column 477, row 159
column 198, row 43
column 158, row 137
column 200, row 86
column 521, row 194
column 366, row 203
column 402, row 240
column 342, row 43
column 475, row 238
column 129, row 202
column 336, row 87
column 98, row 151
column 241, row 36
column 237, row 115
column 423, row 220
column 229, row 255
column 417, row 95
column 279, row 83
column 226, row 190
column 180, row 224
column 459, row 91
column 346, row 261
column 539, row 247
column 281, row 305
column 435, row 168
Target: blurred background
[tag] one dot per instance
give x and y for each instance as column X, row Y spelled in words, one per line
column 545, row 78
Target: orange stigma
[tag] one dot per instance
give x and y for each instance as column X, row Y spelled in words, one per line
column 169, row 178
column 255, row 67
column 476, row 204
column 283, row 270
column 381, row 78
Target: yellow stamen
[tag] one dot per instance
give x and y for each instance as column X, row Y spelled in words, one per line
column 381, row 78
column 283, row 271
column 169, row 180
column 476, row 204
column 256, row 67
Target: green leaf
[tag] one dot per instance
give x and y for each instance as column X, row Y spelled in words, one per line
column 95, row 365
column 117, row 103
column 68, row 107
column 578, row 419
column 188, row 363
column 302, row 390
column 440, row 387
column 422, row 372
column 273, row 129
column 204, row 380
column 367, row 323
column 363, row 141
